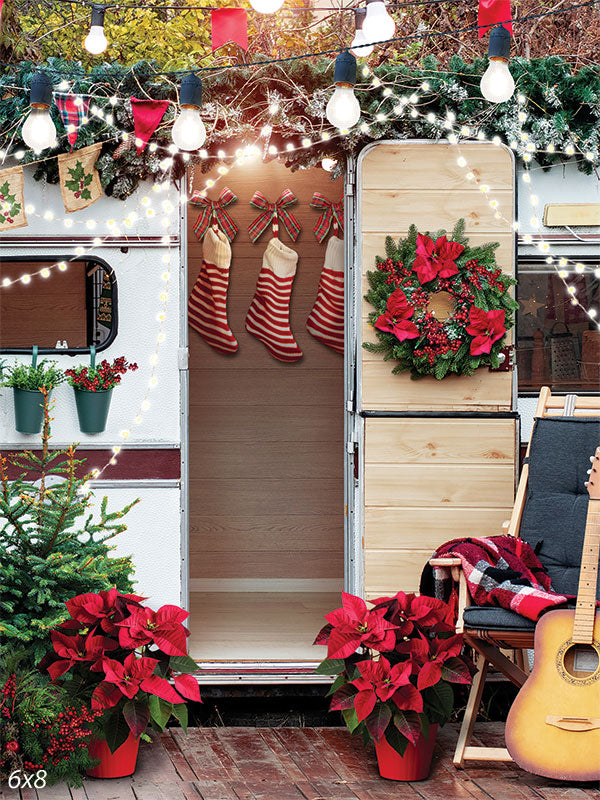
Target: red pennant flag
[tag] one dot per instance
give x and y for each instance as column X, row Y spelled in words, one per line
column 229, row 25
column 493, row 12
column 146, row 116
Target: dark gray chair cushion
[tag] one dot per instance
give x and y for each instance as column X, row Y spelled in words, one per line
column 489, row 617
column 554, row 517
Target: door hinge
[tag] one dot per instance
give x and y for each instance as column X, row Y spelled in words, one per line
column 182, row 358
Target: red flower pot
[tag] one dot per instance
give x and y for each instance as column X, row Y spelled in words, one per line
column 114, row 765
column 414, row 765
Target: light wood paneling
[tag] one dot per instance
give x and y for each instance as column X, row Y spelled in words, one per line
column 266, row 450
column 44, row 310
column 408, row 166
column 439, row 440
column 388, row 527
column 254, row 626
column 428, row 481
column 420, row 183
column 464, row 485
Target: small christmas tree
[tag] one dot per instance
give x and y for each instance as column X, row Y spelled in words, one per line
column 50, row 550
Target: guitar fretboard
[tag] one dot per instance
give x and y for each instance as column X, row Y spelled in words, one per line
column 585, row 610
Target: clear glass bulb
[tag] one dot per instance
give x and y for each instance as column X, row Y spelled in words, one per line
column 188, row 132
column 343, row 109
column 38, row 129
column 358, row 47
column 497, row 84
column 266, row 6
column 96, row 42
column 378, row 25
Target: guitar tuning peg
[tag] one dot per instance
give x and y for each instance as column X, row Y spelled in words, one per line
column 589, row 472
column 586, row 483
column 592, row 459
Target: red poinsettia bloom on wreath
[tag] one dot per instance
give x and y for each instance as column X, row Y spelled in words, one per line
column 378, row 681
column 396, row 317
column 486, row 327
column 353, row 626
column 436, row 258
column 163, row 627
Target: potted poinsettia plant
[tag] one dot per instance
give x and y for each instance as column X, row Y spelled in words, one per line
column 93, row 386
column 130, row 663
column 31, row 383
column 394, row 665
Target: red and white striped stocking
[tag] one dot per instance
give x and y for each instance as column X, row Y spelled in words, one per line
column 326, row 320
column 268, row 317
column 207, row 306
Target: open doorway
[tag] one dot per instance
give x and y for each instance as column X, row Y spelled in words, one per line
column 266, row 452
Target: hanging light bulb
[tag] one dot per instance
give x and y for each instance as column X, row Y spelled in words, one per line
column 497, row 84
column 96, row 42
column 266, row 6
column 188, row 132
column 343, row 109
column 359, row 47
column 328, row 164
column 378, row 25
column 38, row 130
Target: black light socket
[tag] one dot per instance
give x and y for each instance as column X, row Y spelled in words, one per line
column 499, row 44
column 40, row 92
column 359, row 18
column 191, row 91
column 98, row 13
column 345, row 69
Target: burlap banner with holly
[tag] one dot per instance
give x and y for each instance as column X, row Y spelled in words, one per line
column 12, row 207
column 79, row 180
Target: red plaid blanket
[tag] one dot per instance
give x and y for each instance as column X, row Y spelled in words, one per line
column 500, row 571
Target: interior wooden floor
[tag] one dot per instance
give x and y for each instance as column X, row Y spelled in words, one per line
column 258, row 626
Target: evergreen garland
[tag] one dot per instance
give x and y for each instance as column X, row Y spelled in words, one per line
column 563, row 108
column 402, row 302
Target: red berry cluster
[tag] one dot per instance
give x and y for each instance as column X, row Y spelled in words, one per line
column 103, row 377
column 396, row 270
column 7, row 697
column 438, row 343
column 476, row 272
column 68, row 733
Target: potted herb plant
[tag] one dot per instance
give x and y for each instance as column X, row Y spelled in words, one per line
column 29, row 382
column 394, row 666
column 120, row 656
column 93, row 386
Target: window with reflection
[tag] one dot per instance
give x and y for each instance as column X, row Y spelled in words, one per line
column 60, row 305
column 557, row 344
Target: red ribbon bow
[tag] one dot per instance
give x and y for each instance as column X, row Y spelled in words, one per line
column 332, row 212
column 272, row 212
column 213, row 211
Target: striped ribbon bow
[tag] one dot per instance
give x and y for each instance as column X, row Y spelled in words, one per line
column 213, row 211
column 272, row 212
column 331, row 212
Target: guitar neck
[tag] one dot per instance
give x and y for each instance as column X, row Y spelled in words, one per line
column 585, row 610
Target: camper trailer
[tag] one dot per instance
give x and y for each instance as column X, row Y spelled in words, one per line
column 268, row 487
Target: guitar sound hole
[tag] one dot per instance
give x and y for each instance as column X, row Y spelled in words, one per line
column 581, row 660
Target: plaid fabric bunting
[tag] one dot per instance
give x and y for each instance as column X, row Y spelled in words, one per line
column 213, row 212
column 272, row 212
column 331, row 212
column 73, row 110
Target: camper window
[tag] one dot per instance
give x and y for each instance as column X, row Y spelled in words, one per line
column 558, row 345
column 58, row 304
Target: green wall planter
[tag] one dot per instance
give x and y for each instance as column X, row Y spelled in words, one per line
column 92, row 409
column 29, row 410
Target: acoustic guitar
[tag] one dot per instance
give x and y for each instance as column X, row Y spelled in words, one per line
column 553, row 727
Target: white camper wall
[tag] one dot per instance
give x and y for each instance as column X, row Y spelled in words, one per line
column 153, row 535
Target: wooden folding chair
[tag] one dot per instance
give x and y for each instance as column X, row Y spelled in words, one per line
column 566, row 432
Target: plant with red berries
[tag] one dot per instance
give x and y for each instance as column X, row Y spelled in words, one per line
column 394, row 665
column 100, row 378
column 401, row 290
column 41, row 730
column 128, row 661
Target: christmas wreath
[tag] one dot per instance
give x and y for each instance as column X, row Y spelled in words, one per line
column 408, row 330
